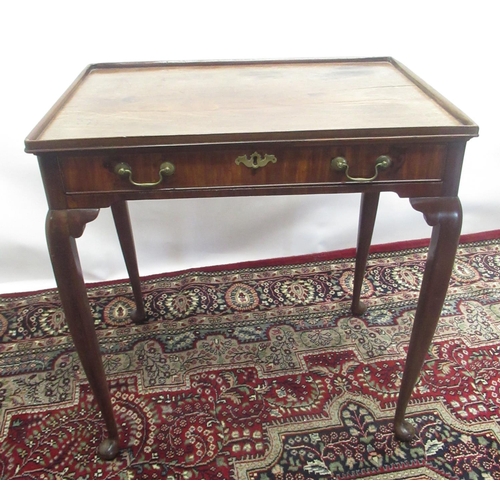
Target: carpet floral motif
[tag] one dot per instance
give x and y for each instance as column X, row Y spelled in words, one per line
column 260, row 372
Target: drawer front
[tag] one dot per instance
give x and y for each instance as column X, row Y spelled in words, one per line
column 252, row 166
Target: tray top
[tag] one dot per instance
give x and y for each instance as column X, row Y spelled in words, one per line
column 153, row 104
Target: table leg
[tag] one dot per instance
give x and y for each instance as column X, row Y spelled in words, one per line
column 121, row 217
column 367, row 215
column 445, row 216
column 63, row 226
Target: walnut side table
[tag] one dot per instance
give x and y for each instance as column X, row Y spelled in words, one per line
column 172, row 130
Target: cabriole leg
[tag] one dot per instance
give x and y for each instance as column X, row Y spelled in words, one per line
column 121, row 217
column 445, row 216
column 62, row 227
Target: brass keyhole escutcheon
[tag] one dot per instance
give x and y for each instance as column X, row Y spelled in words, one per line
column 255, row 160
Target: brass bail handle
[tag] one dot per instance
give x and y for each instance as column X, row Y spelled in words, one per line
column 255, row 160
column 125, row 170
column 381, row 163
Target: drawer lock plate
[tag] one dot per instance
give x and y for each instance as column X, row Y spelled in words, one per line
column 255, row 160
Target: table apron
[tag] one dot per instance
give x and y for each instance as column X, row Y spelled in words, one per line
column 101, row 200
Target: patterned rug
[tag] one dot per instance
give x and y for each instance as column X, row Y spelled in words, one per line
column 259, row 371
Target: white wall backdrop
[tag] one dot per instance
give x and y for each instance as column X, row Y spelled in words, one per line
column 453, row 45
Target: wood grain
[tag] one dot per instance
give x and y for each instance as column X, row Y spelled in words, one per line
column 214, row 168
column 209, row 101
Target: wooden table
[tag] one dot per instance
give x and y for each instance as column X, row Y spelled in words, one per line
column 157, row 130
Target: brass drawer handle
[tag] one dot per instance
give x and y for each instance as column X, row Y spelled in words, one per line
column 125, row 170
column 340, row 164
column 255, row 160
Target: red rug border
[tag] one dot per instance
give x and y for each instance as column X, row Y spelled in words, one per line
column 348, row 253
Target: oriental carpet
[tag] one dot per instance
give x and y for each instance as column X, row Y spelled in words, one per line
column 259, row 371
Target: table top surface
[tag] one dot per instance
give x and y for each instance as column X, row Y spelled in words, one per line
column 150, row 104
